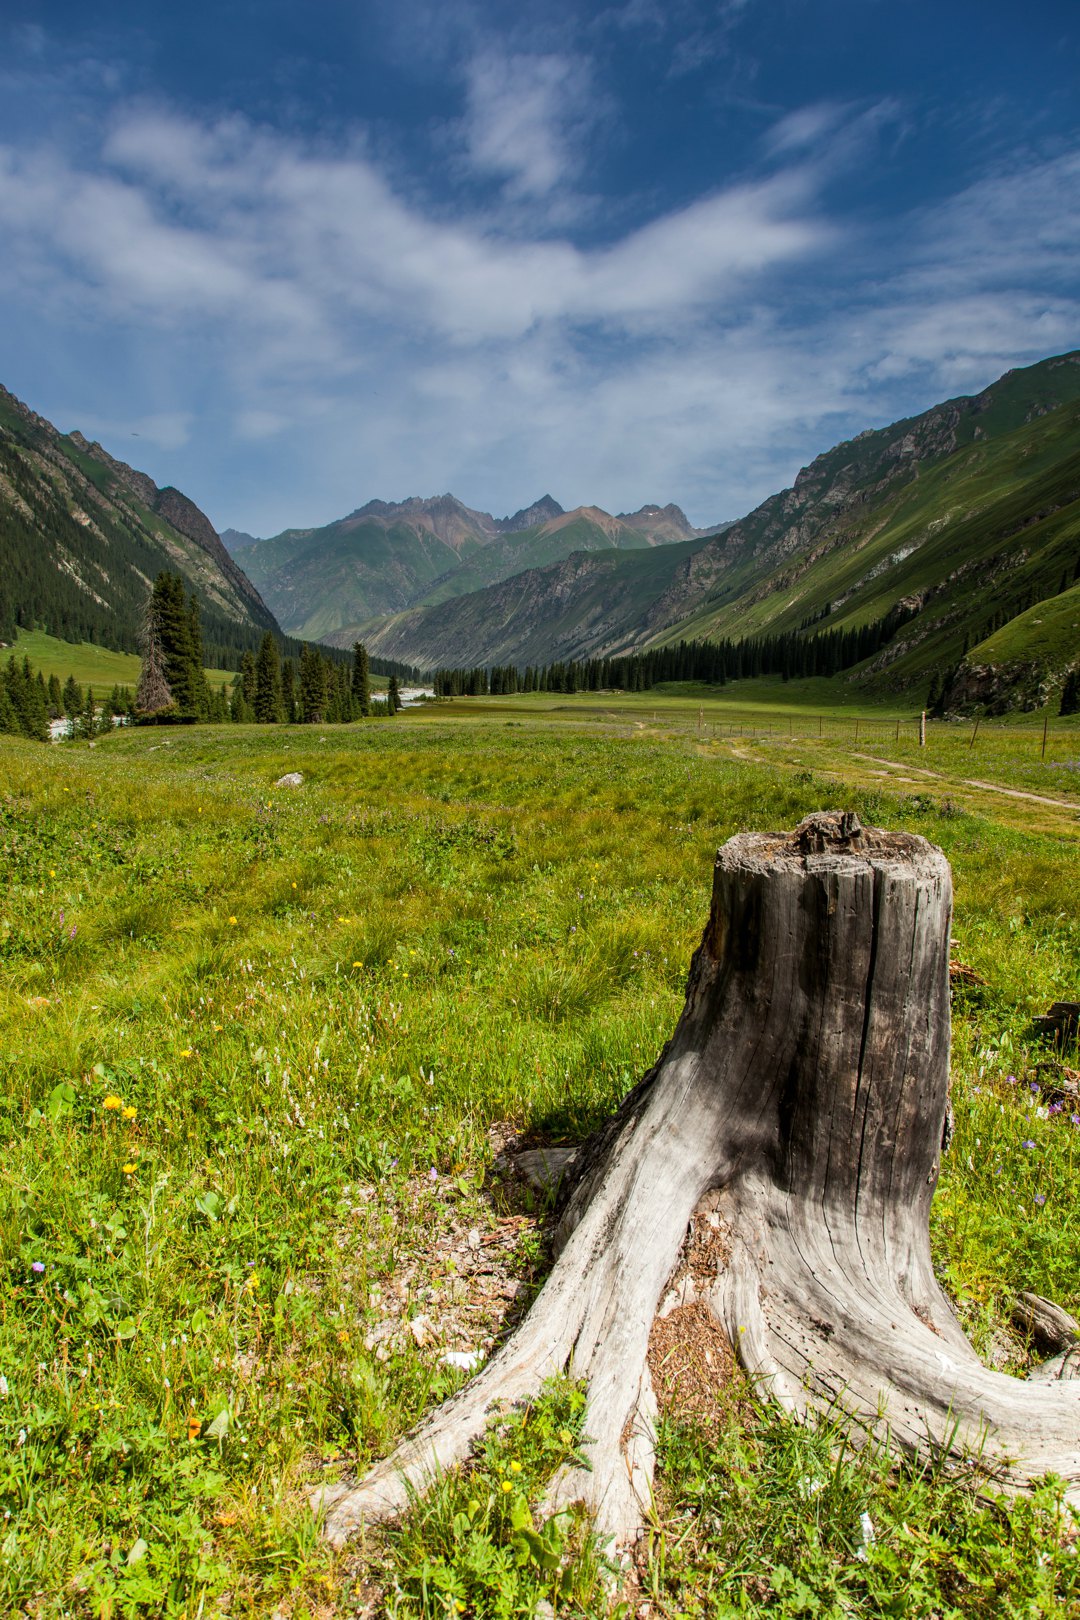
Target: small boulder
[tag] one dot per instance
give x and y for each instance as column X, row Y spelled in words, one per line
column 290, row 779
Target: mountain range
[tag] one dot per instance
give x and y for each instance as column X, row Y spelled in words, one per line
column 329, row 583
column 965, row 519
column 967, row 515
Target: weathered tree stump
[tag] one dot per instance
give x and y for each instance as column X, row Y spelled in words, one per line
column 803, row 1095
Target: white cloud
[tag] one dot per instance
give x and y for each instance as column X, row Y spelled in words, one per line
column 294, row 292
column 526, row 119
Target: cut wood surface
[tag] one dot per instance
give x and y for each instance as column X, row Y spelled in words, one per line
column 799, row 1107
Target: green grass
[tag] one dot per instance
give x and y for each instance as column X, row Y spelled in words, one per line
column 91, row 665
column 312, row 1000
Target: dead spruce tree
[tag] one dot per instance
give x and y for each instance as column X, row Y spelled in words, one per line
column 798, row 1109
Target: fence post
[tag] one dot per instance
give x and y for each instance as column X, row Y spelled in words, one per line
column 922, row 729
column 1046, row 722
column 975, row 733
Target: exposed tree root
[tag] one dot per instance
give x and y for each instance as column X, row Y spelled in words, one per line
column 802, row 1097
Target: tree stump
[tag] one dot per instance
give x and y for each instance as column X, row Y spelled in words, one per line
column 802, row 1101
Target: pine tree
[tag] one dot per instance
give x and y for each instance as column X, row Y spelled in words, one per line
column 288, row 690
column 153, row 695
column 361, row 678
column 56, row 698
column 268, row 705
column 393, row 695
column 72, row 697
column 183, row 670
column 313, row 692
column 248, row 680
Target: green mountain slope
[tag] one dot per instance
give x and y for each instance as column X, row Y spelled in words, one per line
column 82, row 536
column 588, row 600
column 586, row 529
column 966, row 515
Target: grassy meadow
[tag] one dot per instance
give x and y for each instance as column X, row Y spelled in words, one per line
column 260, row 1049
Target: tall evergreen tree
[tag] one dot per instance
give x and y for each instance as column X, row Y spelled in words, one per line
column 72, row 697
column 269, row 707
column 313, row 693
column 153, row 695
column 183, row 670
column 288, row 690
column 249, row 681
column 393, row 695
column 361, row 678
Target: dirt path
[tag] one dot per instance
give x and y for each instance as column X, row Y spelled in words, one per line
column 966, row 781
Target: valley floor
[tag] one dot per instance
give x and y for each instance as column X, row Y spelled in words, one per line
column 262, row 1048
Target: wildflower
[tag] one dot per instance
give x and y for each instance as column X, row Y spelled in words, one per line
column 515, row 1467
column 1075, row 1119
column 1029, row 1144
column 232, row 919
column 186, row 1052
column 1040, row 1198
column 252, row 1284
column 566, row 1437
column 358, row 964
column 1010, row 1079
column 194, row 1428
column 507, row 1487
column 433, row 1174
column 52, row 871
column 129, row 1112
column 112, row 1102
column 343, row 1337
column 38, row 1266
column 129, row 1169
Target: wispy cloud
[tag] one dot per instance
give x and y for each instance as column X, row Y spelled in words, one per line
column 526, row 119
column 398, row 347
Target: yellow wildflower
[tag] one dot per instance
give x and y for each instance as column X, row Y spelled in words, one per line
column 186, row 1052
column 507, row 1487
column 129, row 1112
column 129, row 1169
column 515, row 1467
column 112, row 1102
column 52, row 871
column 232, row 919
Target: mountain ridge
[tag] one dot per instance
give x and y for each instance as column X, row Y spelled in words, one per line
column 83, row 535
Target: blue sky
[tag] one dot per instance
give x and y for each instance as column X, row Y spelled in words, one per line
column 292, row 257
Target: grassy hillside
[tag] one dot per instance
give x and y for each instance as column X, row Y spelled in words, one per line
column 259, row 1051
column 589, row 599
column 82, row 536
column 985, row 532
column 91, row 665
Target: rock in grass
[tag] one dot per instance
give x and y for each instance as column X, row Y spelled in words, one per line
column 290, row 779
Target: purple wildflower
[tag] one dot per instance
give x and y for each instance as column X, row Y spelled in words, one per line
column 1028, row 1144
column 1075, row 1118
column 1010, row 1079
column 1040, row 1198
column 433, row 1173
column 38, row 1266
column 1033, row 1086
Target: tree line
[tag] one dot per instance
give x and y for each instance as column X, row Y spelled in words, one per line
column 320, row 687
column 789, row 655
